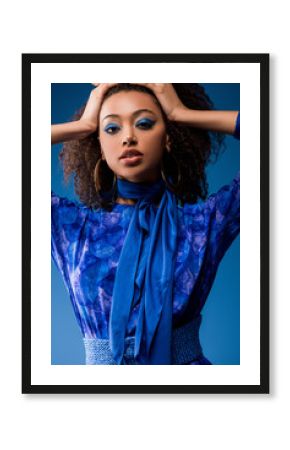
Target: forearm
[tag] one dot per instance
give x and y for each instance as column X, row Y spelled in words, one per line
column 68, row 131
column 221, row 121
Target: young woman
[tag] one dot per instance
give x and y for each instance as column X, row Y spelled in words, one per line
column 140, row 252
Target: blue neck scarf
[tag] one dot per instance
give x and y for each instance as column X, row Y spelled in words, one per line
column 145, row 274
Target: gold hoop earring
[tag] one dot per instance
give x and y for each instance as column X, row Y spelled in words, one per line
column 98, row 177
column 169, row 184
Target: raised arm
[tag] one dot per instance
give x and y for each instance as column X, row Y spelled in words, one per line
column 221, row 121
column 87, row 124
column 68, row 131
column 176, row 111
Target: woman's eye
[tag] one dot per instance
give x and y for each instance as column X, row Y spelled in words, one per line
column 111, row 129
column 145, row 124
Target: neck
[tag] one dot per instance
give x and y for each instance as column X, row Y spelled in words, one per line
column 129, row 193
column 148, row 177
column 125, row 201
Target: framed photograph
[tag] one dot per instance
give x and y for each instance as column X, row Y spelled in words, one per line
column 138, row 246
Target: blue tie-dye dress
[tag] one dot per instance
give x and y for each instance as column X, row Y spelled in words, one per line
column 86, row 246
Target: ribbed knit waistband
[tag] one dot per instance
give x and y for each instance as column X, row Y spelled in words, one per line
column 185, row 346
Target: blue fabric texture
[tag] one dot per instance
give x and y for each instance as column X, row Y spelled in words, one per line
column 146, row 280
column 87, row 244
column 185, row 347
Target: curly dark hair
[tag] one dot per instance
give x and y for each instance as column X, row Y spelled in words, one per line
column 192, row 148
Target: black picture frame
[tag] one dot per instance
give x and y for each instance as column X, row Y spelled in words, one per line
column 260, row 60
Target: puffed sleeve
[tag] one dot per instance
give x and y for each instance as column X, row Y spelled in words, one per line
column 67, row 222
column 224, row 214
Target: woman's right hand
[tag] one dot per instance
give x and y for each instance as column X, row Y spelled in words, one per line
column 92, row 109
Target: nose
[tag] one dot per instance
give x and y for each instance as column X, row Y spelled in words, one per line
column 129, row 139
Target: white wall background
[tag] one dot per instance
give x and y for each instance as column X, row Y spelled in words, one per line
column 79, row 421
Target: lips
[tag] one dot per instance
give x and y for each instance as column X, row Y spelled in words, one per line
column 130, row 153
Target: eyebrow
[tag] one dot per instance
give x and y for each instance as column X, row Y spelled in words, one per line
column 135, row 113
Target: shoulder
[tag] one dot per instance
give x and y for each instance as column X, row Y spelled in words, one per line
column 228, row 192
column 67, row 211
column 59, row 201
column 226, row 195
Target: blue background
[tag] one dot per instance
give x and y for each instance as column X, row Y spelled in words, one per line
column 220, row 330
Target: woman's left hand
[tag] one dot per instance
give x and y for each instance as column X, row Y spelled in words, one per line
column 167, row 97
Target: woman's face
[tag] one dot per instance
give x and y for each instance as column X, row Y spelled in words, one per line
column 132, row 122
